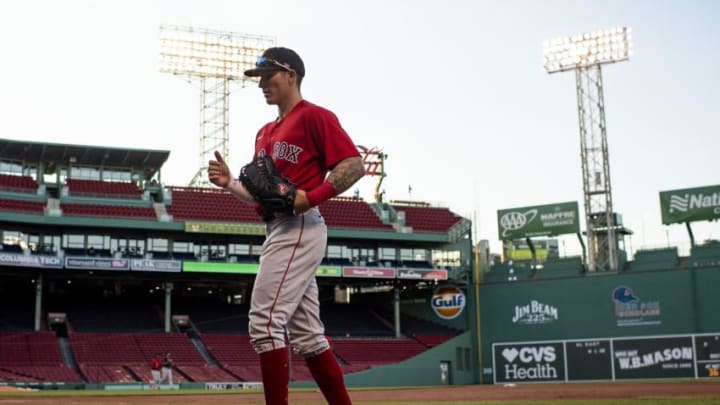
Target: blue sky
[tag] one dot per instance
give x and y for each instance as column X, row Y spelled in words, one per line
column 454, row 92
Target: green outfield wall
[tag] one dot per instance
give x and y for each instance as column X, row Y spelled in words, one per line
column 450, row 363
column 685, row 301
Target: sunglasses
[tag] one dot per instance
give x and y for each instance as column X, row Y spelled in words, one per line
column 267, row 62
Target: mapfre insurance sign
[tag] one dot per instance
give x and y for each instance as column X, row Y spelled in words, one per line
column 528, row 362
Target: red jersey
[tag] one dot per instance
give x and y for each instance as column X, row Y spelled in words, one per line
column 305, row 144
column 155, row 363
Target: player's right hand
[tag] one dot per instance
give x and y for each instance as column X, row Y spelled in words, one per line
column 218, row 171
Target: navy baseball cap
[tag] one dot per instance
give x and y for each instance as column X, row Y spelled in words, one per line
column 278, row 59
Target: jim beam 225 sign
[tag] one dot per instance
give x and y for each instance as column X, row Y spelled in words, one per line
column 528, row 362
column 448, row 302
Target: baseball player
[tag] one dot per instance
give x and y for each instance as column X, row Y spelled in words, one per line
column 167, row 371
column 155, row 370
column 305, row 142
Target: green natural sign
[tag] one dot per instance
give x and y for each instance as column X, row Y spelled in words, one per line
column 538, row 220
column 220, row 267
column 248, row 268
column 690, row 204
column 224, row 228
column 329, row 271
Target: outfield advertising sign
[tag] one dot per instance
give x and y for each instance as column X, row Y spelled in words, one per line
column 406, row 273
column 529, row 362
column 707, row 349
column 690, row 204
column 328, row 271
column 220, row 267
column 667, row 357
column 41, row 262
column 648, row 357
column 168, row 266
column 538, row 220
column 96, row 263
column 224, row 228
column 589, row 360
column 368, row 272
column 239, row 386
column 448, row 302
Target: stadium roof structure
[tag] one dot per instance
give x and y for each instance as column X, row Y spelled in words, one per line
column 83, row 155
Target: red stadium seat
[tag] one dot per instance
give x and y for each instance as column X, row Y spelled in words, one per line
column 18, row 184
column 103, row 189
column 29, row 207
column 428, row 219
column 114, row 211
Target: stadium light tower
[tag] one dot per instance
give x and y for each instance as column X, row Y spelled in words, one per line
column 584, row 54
column 214, row 58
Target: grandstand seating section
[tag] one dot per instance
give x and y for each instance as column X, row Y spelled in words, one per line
column 214, row 317
column 655, row 259
column 114, row 211
column 432, row 340
column 102, row 189
column 123, row 357
column 34, row 357
column 235, row 354
column 29, row 348
column 193, row 203
column 107, row 374
column 109, row 315
column 22, row 206
column 17, row 183
column 206, row 204
column 428, row 219
column 373, row 352
column 342, row 212
column 115, row 355
column 17, row 307
column 426, row 332
column 364, row 322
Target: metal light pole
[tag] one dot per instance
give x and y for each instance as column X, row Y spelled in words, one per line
column 214, row 58
column 584, row 54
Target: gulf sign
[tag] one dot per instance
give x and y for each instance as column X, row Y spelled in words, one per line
column 448, row 302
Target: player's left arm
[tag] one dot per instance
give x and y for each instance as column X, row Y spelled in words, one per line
column 346, row 173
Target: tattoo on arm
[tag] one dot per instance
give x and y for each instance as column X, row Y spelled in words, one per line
column 346, row 173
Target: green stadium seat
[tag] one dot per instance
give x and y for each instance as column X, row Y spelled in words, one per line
column 505, row 272
column 571, row 266
column 655, row 259
column 705, row 255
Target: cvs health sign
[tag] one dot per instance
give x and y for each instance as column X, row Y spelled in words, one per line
column 528, row 362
